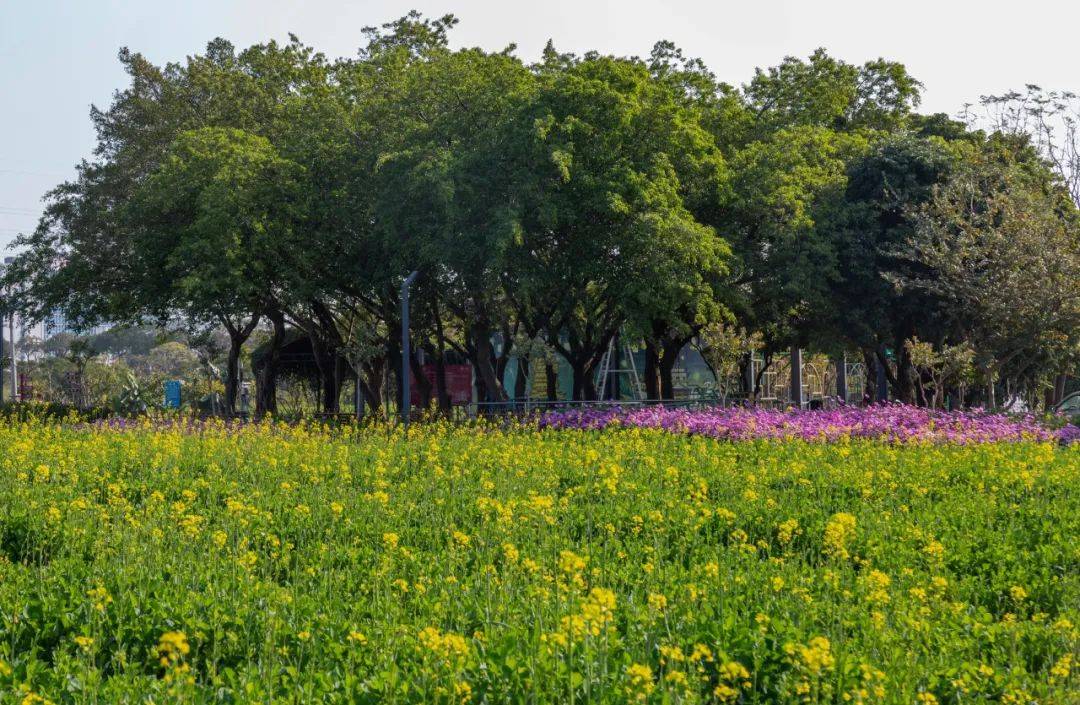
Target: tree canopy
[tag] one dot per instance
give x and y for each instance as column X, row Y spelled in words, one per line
column 552, row 206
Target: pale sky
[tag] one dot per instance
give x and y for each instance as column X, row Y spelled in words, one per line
column 57, row 57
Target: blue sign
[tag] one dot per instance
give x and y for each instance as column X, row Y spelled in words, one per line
column 172, row 394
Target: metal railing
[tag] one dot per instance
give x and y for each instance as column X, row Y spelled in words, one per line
column 533, row 406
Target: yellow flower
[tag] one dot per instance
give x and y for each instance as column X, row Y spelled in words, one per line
column 390, row 540
column 701, row 653
column 657, row 601
column 935, row 550
column 446, row 646
column 1017, row 593
column 733, row 671
column 597, row 613
column 815, row 658
column 1060, row 671
column 677, row 679
column 172, row 647
column 84, row 642
column 641, row 681
column 838, row 532
column 100, row 597
column 786, row 531
column 877, row 587
column 570, row 562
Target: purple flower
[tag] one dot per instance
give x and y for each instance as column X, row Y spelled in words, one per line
column 889, row 422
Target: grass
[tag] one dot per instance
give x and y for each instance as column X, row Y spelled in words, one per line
column 274, row 564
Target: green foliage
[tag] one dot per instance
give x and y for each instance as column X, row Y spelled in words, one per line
column 1000, row 227
column 564, row 201
column 947, row 367
column 788, row 189
column 826, row 92
column 35, row 411
column 132, row 400
column 725, row 348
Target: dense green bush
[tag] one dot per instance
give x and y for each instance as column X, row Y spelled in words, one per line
column 30, row 410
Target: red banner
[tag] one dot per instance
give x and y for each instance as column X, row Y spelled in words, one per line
column 458, row 384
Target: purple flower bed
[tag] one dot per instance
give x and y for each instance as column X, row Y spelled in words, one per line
column 889, row 422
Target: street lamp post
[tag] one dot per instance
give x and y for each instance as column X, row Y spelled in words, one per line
column 405, row 401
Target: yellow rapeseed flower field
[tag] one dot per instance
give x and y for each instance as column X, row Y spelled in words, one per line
column 273, row 563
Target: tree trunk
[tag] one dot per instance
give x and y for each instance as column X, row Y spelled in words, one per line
column 746, row 377
column 652, row 371
column 266, row 382
column 238, row 335
column 1059, row 388
column 668, row 358
column 551, row 376
column 870, row 364
column 326, row 362
column 232, row 375
column 484, row 364
column 441, row 390
column 905, row 375
column 371, row 385
column 420, row 380
column 521, row 381
column 582, row 385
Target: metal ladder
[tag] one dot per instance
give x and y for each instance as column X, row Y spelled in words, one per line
column 605, row 369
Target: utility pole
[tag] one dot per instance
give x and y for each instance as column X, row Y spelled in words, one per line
column 14, row 364
column 1, row 353
column 3, row 266
column 405, row 400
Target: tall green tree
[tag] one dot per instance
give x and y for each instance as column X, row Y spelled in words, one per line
column 213, row 230
column 607, row 238
column 789, row 189
column 999, row 246
column 883, row 186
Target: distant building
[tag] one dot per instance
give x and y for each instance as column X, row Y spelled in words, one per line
column 58, row 323
column 54, row 324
